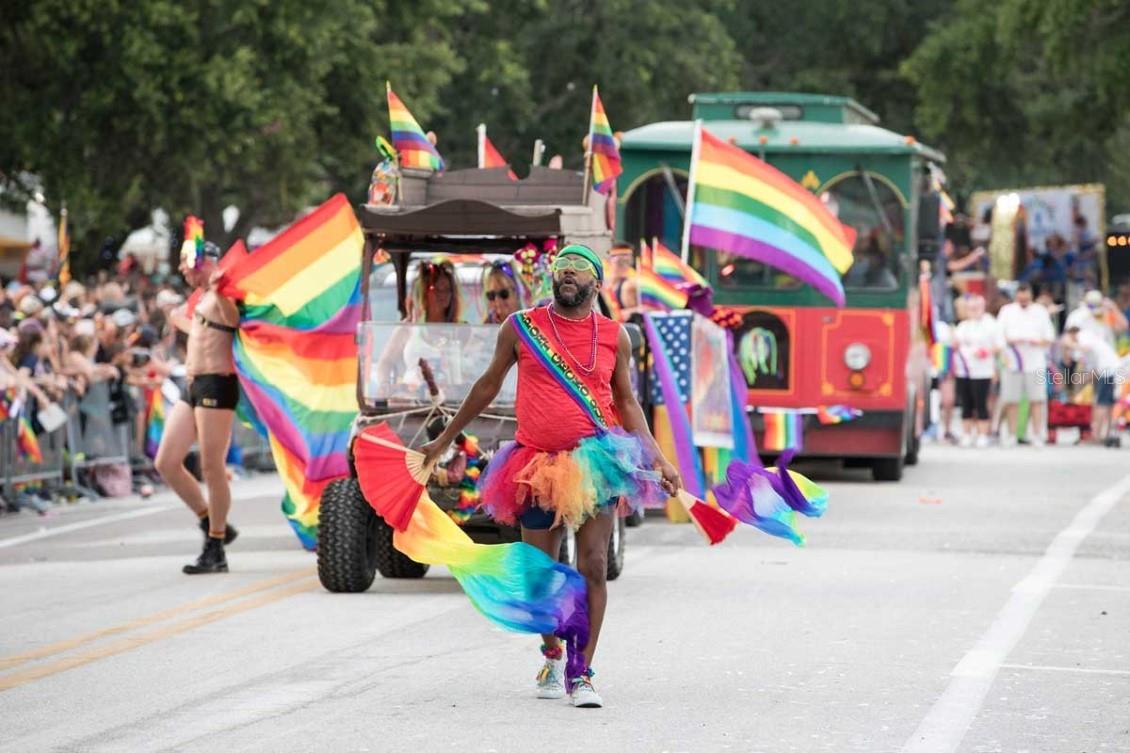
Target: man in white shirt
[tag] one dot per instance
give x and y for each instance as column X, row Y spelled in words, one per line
column 1089, row 348
column 1098, row 315
column 1028, row 334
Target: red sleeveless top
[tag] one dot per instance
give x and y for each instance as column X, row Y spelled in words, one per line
column 548, row 419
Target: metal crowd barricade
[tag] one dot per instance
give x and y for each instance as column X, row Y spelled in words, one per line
column 92, row 436
column 19, row 470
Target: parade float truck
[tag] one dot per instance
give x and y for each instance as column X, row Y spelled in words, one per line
column 798, row 351
column 414, row 375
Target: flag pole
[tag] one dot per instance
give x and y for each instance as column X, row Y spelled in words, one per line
column 588, row 149
column 688, row 215
column 481, row 130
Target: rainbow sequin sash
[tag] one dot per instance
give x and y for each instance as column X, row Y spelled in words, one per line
column 553, row 362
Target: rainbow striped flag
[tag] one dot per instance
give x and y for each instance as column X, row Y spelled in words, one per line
column 27, row 442
column 671, row 266
column 604, row 155
column 489, row 156
column 300, row 304
column 657, row 293
column 784, row 430
column 941, row 355
column 739, row 204
column 408, row 137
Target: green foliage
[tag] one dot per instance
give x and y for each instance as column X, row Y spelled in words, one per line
column 120, row 106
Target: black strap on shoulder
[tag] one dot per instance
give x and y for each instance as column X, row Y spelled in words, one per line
column 215, row 325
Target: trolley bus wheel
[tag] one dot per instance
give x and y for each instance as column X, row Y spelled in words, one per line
column 616, row 550
column 886, row 469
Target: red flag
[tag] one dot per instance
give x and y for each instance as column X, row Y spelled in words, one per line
column 489, row 156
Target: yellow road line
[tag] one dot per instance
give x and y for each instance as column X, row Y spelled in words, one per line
column 8, row 662
column 7, row 682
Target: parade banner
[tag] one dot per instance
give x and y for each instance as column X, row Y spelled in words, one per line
column 711, row 417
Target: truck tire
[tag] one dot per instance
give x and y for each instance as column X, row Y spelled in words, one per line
column 616, row 550
column 390, row 562
column 887, row 469
column 635, row 519
column 567, row 555
column 346, row 553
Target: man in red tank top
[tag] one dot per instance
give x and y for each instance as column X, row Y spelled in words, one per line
column 578, row 418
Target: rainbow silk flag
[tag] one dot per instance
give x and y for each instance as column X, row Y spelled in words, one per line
column 672, row 268
column 941, row 355
column 784, row 430
column 739, row 204
column 604, row 155
column 155, row 423
column 412, row 145
column 296, row 356
column 489, row 156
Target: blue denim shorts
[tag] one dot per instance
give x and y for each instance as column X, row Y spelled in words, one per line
column 1104, row 389
column 539, row 519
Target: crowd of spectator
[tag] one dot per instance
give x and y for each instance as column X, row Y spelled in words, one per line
column 57, row 341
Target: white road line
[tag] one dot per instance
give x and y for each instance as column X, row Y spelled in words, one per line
column 44, row 533
column 943, row 728
column 1084, row 670
column 1085, row 587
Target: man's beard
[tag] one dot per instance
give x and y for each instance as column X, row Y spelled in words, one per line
column 584, row 293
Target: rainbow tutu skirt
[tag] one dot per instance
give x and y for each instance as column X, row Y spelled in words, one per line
column 609, row 468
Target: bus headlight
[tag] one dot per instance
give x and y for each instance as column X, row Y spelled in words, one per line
column 857, row 356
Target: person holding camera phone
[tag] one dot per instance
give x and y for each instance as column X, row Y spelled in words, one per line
column 206, row 410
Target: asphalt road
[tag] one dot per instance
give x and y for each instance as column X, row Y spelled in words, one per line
column 982, row 604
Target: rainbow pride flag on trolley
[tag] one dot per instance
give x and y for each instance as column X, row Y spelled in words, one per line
column 300, row 304
column 739, row 204
column 604, row 155
column 412, row 145
column 784, row 430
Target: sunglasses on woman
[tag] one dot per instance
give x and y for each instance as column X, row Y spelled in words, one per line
column 502, row 295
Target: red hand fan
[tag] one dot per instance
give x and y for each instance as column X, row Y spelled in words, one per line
column 714, row 524
column 392, row 476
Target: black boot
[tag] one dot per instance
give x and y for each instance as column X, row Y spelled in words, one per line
column 211, row 560
column 229, row 533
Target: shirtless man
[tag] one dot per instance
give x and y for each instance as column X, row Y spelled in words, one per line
column 206, row 410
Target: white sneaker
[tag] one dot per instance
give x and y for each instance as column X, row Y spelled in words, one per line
column 551, row 679
column 1036, row 441
column 585, row 695
column 982, row 442
column 966, row 440
column 1008, row 441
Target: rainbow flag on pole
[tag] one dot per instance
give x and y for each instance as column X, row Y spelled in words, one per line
column 784, row 430
column 412, row 145
column 296, row 356
column 27, row 442
column 672, row 268
column 739, row 204
column 489, row 156
column 604, row 155
column 655, row 291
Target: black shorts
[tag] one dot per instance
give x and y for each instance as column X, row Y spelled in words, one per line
column 219, row 391
column 973, row 395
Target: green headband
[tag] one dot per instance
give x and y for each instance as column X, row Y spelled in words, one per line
column 586, row 253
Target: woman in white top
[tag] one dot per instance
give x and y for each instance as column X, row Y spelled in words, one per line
column 977, row 340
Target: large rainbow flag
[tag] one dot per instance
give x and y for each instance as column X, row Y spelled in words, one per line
column 604, row 154
column 739, row 204
column 296, row 355
column 408, row 137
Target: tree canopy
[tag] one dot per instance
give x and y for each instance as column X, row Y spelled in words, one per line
column 121, row 107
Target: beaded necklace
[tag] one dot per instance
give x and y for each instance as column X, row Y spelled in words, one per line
column 553, row 325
